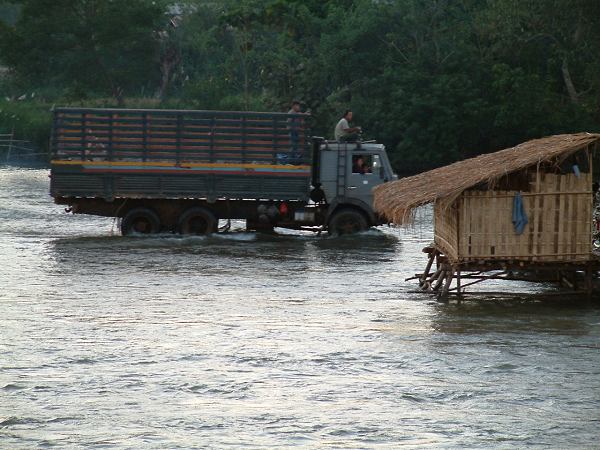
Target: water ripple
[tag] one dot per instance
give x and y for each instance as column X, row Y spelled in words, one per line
column 250, row 340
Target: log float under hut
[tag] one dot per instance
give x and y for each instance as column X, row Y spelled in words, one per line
column 524, row 213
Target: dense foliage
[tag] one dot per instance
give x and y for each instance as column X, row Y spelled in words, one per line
column 435, row 80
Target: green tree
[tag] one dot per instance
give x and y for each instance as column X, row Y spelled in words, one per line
column 96, row 45
column 434, row 80
column 9, row 12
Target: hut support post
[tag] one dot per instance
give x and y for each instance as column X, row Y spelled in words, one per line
column 440, row 279
column 425, row 274
column 447, row 278
column 429, row 285
column 589, row 281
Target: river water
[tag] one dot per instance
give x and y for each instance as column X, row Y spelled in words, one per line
column 247, row 340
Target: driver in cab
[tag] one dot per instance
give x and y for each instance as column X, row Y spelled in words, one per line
column 359, row 166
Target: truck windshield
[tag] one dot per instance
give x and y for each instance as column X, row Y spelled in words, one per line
column 378, row 166
column 376, row 163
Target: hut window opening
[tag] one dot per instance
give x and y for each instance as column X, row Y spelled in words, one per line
column 516, row 181
column 577, row 163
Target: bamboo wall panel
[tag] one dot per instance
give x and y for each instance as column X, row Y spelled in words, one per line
column 446, row 228
column 559, row 210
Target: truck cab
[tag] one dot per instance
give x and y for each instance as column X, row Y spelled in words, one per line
column 347, row 173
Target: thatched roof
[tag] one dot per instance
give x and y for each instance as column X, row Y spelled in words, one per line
column 396, row 200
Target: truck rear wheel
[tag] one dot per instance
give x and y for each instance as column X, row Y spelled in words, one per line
column 198, row 221
column 347, row 221
column 140, row 221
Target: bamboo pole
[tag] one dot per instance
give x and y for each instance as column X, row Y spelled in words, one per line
column 448, row 281
column 423, row 277
column 439, row 280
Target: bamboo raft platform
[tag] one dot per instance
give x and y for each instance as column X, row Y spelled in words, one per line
column 443, row 278
column 548, row 183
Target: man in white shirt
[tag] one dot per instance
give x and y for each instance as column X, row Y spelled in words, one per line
column 343, row 131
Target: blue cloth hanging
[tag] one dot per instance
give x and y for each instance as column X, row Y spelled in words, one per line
column 519, row 216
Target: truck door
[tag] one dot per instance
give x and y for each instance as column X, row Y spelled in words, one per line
column 366, row 172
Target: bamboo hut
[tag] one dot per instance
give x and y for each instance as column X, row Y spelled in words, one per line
column 526, row 208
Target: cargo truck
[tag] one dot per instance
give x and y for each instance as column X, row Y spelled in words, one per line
column 184, row 171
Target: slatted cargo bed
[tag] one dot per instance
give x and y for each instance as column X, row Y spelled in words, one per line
column 112, row 153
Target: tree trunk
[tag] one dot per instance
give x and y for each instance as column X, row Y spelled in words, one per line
column 569, row 82
column 118, row 95
column 165, row 70
column 169, row 61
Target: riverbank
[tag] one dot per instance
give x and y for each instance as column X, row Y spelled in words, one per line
column 29, row 118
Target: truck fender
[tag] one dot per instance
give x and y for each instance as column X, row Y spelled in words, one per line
column 356, row 203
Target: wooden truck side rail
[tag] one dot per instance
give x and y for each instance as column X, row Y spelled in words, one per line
column 126, row 153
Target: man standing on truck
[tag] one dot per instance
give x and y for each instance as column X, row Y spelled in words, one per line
column 295, row 108
column 294, row 124
column 343, row 131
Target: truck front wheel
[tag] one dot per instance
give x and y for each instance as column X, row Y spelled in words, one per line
column 347, row 221
column 140, row 221
column 198, row 221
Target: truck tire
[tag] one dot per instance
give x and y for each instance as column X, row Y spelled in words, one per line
column 347, row 221
column 140, row 221
column 198, row 221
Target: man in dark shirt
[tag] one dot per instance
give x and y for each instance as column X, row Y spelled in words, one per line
column 294, row 125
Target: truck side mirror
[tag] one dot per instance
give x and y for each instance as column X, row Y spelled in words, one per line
column 381, row 172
